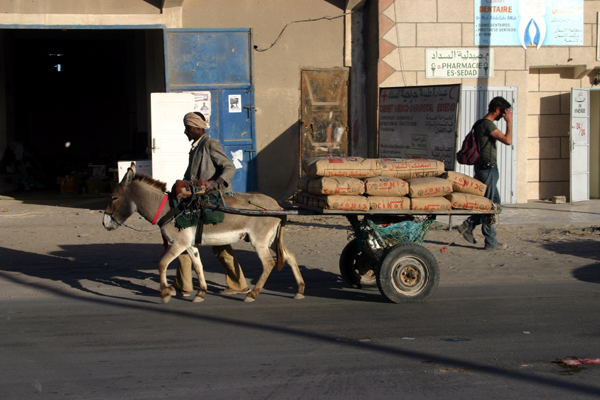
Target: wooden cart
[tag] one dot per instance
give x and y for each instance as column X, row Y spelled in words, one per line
column 386, row 248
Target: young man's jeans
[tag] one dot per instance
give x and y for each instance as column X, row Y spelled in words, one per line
column 490, row 178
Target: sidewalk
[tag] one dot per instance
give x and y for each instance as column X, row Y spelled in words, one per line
column 535, row 213
column 538, row 213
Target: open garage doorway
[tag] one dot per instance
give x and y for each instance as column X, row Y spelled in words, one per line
column 78, row 98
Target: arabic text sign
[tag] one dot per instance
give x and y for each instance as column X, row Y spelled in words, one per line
column 419, row 122
column 459, row 63
column 579, row 103
column 521, row 22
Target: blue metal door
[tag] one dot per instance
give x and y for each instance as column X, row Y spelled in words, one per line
column 218, row 61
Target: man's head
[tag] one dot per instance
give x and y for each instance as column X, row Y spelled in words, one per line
column 195, row 125
column 498, row 105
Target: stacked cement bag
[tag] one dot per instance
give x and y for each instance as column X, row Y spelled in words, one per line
column 467, row 193
column 334, row 182
column 410, row 169
column 354, row 183
column 387, row 193
column 428, row 194
column 355, row 167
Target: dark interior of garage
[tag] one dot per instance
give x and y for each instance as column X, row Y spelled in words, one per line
column 76, row 103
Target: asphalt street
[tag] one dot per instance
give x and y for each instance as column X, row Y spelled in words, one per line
column 495, row 342
column 80, row 317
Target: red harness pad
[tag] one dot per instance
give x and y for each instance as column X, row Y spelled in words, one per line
column 184, row 189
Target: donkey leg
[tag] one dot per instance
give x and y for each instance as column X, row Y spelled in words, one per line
column 290, row 258
column 197, row 264
column 268, row 263
column 167, row 291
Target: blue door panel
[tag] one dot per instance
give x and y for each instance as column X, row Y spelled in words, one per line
column 199, row 57
column 218, row 60
column 244, row 179
column 235, row 126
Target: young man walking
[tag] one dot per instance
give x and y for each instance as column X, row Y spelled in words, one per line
column 487, row 135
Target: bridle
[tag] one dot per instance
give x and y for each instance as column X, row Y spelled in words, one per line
column 128, row 226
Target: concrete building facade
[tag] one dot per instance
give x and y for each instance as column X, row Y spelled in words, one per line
column 120, row 52
column 544, row 78
column 287, row 38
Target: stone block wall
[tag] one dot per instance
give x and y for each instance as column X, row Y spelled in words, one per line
column 543, row 77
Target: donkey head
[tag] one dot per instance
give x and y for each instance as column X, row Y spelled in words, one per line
column 121, row 206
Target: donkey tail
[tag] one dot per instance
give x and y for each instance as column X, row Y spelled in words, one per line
column 280, row 245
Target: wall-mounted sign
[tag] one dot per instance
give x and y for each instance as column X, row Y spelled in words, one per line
column 521, row 22
column 419, row 122
column 459, row 63
column 579, row 103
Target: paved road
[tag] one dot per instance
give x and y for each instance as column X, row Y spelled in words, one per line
column 79, row 320
column 468, row 342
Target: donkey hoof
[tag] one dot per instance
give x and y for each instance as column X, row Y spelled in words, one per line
column 166, row 299
column 249, row 299
column 198, row 299
column 299, row 296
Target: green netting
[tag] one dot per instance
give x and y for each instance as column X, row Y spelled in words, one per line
column 387, row 236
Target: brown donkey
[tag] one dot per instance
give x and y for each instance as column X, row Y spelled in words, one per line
column 145, row 195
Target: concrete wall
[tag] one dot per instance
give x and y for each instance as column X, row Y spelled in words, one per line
column 318, row 44
column 543, row 77
column 276, row 72
column 81, row 6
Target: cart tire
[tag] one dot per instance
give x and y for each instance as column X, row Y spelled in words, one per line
column 350, row 264
column 408, row 273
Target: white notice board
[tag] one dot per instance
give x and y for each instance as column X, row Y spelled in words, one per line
column 419, row 122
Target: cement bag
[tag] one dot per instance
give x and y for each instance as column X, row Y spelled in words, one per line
column 336, row 185
column 466, row 201
column 465, row 184
column 411, row 168
column 303, row 183
column 338, row 202
column 309, row 200
column 430, row 204
column 429, row 187
column 356, row 167
column 385, row 186
column 389, row 203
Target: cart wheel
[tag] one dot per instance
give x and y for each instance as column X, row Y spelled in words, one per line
column 408, row 273
column 356, row 268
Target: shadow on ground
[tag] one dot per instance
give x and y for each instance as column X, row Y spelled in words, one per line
column 132, row 266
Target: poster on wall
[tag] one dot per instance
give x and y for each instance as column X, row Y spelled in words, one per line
column 235, row 103
column 419, row 122
column 202, row 103
column 521, row 22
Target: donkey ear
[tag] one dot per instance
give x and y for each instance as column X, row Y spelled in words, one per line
column 129, row 175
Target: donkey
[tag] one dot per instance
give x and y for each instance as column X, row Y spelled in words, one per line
column 139, row 192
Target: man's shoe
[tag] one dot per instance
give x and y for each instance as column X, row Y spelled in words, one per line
column 231, row 291
column 467, row 233
column 499, row 246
